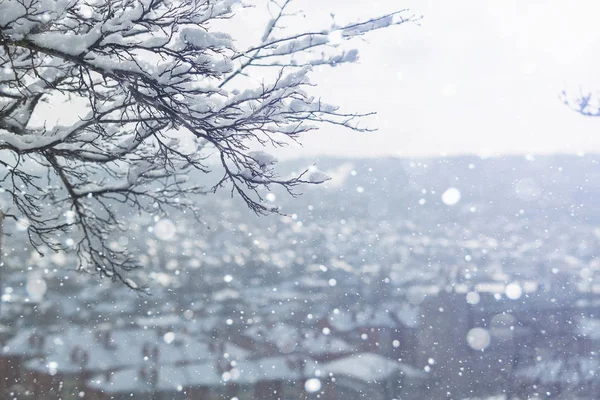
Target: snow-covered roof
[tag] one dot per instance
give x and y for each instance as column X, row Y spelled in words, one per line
column 207, row 374
column 160, row 320
column 490, row 287
column 284, row 336
column 408, row 316
column 168, row 378
column 589, row 327
column 204, row 324
column 80, row 349
column 233, row 352
column 27, row 342
column 369, row 367
column 570, row 372
column 120, row 382
column 378, row 318
column 345, row 321
column 265, row 369
column 225, row 294
column 321, row 344
column 342, row 322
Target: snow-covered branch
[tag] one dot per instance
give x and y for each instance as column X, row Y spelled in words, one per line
column 148, row 87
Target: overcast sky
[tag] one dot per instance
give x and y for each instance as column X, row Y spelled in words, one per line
column 477, row 76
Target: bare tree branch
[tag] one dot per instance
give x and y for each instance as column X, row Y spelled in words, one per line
column 149, row 83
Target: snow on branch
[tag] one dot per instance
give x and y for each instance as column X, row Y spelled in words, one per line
column 140, row 75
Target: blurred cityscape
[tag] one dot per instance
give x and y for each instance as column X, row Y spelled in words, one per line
column 449, row 278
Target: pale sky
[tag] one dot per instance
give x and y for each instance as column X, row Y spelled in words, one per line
column 477, row 76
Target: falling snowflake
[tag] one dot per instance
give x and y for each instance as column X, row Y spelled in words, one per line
column 451, row 196
column 165, row 230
